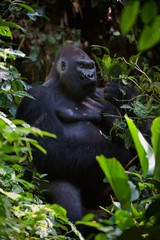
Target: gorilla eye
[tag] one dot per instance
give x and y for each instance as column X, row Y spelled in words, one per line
column 81, row 65
column 63, row 65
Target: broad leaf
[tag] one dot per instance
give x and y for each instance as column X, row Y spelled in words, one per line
column 11, row 195
column 10, row 25
column 155, row 129
column 106, row 60
column 156, row 22
column 149, row 11
column 5, row 31
column 118, row 179
column 149, row 37
column 129, row 16
column 144, row 150
column 124, row 219
column 28, row 8
column 115, row 70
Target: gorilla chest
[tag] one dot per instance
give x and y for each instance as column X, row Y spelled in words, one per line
column 80, row 121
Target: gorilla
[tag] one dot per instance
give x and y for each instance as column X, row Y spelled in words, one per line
column 70, row 105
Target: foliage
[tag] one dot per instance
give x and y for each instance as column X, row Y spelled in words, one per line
column 23, row 214
column 135, row 199
column 34, row 34
column 148, row 155
column 147, row 13
column 137, row 73
column 12, row 87
column 133, row 214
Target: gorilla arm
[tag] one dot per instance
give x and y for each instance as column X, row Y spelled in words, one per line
column 30, row 109
column 34, row 112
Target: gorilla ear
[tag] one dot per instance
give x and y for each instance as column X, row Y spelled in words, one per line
column 63, row 65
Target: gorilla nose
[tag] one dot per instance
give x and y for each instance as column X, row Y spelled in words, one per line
column 91, row 75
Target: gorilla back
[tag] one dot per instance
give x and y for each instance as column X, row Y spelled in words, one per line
column 67, row 106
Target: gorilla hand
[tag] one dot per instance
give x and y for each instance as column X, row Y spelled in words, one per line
column 116, row 92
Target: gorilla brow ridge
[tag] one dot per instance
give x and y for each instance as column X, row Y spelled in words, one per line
column 86, row 64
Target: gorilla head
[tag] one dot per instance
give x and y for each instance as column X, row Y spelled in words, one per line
column 75, row 71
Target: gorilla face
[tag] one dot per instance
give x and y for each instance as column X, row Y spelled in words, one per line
column 87, row 73
column 76, row 72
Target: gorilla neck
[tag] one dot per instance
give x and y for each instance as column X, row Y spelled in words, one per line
column 76, row 95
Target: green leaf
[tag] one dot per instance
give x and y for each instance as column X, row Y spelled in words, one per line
column 115, row 70
column 149, row 11
column 35, row 144
column 17, row 53
column 10, row 24
column 101, row 236
column 5, row 31
column 134, row 191
column 149, row 37
column 124, row 219
column 144, row 150
column 11, row 195
column 118, row 179
column 22, row 94
column 156, row 22
column 59, row 211
column 28, row 8
column 88, row 217
column 129, row 16
column 155, row 130
column 135, row 212
column 106, row 60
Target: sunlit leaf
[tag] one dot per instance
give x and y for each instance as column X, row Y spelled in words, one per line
column 106, row 60
column 5, row 31
column 101, row 236
column 118, row 179
column 34, row 143
column 59, row 211
column 22, row 94
column 155, row 130
column 10, row 24
column 129, row 16
column 135, row 212
column 124, row 219
column 88, row 217
column 144, row 150
column 149, row 153
column 149, row 37
column 17, row 53
column 11, row 195
column 28, row 8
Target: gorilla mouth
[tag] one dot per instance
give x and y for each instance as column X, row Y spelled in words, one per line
column 90, row 87
column 90, row 84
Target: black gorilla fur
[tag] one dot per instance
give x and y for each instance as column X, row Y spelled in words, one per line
column 69, row 105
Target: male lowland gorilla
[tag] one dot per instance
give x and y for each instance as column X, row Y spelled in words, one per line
column 71, row 106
